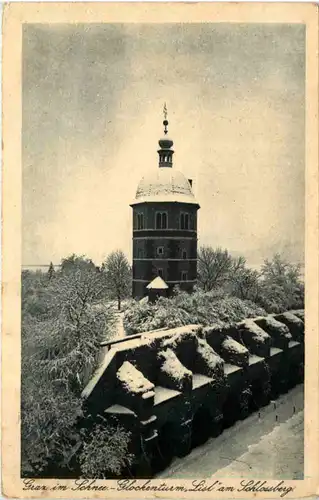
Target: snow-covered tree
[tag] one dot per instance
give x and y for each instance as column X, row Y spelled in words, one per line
column 105, row 451
column 63, row 324
column 118, row 276
column 281, row 285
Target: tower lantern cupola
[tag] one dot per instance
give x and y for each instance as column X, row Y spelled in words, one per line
column 165, row 152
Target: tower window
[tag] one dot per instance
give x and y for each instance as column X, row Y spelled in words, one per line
column 140, row 253
column 160, row 251
column 160, row 273
column 161, row 220
column 184, row 220
column 184, row 254
column 140, row 221
column 184, row 275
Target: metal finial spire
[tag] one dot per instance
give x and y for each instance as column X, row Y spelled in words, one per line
column 165, row 122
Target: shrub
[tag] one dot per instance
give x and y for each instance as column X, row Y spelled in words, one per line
column 105, row 451
column 49, row 412
column 205, row 308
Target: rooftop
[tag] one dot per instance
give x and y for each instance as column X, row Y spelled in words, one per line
column 164, row 184
column 157, row 284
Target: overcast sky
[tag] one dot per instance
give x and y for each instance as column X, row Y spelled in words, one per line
column 92, row 115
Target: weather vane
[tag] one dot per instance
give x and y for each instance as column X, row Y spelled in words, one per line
column 165, row 122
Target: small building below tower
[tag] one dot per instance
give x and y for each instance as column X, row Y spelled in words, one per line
column 157, row 288
column 164, row 226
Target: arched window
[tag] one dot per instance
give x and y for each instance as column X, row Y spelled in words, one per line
column 161, row 220
column 184, row 220
column 158, row 220
column 140, row 253
column 184, row 275
column 164, row 220
column 140, row 221
column 184, row 254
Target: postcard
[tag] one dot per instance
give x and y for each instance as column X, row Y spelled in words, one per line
column 160, row 250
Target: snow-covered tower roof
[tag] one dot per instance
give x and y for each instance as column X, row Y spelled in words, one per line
column 157, row 284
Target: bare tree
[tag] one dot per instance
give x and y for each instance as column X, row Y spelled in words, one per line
column 118, row 276
column 245, row 284
column 214, row 267
column 238, row 264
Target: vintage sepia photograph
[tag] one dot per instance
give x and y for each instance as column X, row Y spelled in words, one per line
column 163, row 250
column 160, row 279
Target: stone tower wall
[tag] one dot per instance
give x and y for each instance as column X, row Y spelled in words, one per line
column 179, row 247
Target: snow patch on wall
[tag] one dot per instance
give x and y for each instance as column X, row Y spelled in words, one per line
column 133, row 380
column 300, row 313
column 209, row 359
column 274, row 326
column 232, row 346
column 233, row 352
column 258, row 334
column 172, row 366
column 181, row 337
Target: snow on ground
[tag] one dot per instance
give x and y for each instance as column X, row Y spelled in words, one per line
column 267, row 444
column 119, row 328
column 278, row 455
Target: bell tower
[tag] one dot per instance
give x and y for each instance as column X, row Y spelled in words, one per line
column 164, row 225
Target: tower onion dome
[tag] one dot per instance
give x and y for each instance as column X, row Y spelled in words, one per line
column 165, row 183
column 165, row 143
